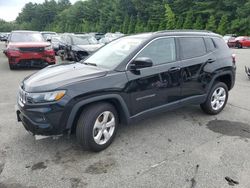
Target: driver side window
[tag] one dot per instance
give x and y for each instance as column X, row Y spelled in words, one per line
column 160, row 51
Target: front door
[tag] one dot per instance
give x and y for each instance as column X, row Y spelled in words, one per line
column 158, row 85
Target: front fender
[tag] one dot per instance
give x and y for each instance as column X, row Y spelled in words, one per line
column 84, row 102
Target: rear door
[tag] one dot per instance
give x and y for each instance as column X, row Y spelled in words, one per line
column 195, row 55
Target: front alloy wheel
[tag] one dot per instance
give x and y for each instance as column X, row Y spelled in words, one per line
column 97, row 125
column 104, row 127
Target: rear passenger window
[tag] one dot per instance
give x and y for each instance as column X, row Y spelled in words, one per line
column 192, row 47
column 209, row 44
column 160, row 51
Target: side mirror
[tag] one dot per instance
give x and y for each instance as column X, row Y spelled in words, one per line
column 140, row 63
column 48, row 39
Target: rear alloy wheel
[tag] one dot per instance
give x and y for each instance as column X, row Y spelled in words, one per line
column 217, row 99
column 96, row 127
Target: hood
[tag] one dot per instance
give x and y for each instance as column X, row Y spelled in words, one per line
column 90, row 47
column 54, row 77
column 28, row 44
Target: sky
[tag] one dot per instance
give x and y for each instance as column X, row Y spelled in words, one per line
column 9, row 9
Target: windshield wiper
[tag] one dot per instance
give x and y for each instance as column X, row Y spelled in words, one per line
column 91, row 64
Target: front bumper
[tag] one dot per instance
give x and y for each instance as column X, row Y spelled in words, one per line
column 231, row 44
column 31, row 58
column 41, row 120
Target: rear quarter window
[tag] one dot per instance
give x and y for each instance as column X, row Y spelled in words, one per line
column 209, row 44
column 192, row 47
column 220, row 43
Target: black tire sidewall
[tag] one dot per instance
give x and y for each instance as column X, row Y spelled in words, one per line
column 88, row 121
column 239, row 45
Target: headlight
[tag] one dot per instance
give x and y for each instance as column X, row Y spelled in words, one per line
column 13, row 48
column 45, row 97
column 48, row 48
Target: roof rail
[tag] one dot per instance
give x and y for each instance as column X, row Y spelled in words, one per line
column 184, row 30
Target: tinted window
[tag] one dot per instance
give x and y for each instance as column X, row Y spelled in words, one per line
column 219, row 43
column 192, row 47
column 160, row 51
column 209, row 44
column 26, row 37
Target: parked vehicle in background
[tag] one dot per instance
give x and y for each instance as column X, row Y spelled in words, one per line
column 128, row 79
column 98, row 36
column 228, row 38
column 28, row 49
column 78, row 46
column 110, row 37
column 56, row 43
column 240, row 42
column 48, row 34
column 4, row 36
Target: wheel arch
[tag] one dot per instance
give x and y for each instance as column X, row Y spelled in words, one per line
column 225, row 77
column 114, row 99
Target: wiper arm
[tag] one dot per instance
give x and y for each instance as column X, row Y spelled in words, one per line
column 92, row 64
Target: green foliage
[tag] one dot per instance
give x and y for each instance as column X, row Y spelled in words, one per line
column 7, row 26
column 170, row 17
column 211, row 24
column 223, row 25
column 188, row 24
column 198, row 23
column 133, row 16
column 132, row 24
column 179, row 23
column 139, row 27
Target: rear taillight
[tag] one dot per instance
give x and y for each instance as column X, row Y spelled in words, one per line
column 234, row 58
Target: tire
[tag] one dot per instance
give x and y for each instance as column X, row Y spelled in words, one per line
column 216, row 101
column 92, row 123
column 12, row 67
column 239, row 45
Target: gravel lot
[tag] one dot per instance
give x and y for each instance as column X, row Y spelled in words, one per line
column 179, row 149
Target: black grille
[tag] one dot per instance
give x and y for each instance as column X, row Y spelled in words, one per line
column 32, row 49
column 32, row 63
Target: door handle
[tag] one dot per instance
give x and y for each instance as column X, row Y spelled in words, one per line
column 210, row 60
column 174, row 69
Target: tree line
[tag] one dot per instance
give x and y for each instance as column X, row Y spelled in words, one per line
column 134, row 16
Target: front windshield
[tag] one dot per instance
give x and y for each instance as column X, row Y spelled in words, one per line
column 46, row 35
column 90, row 39
column 111, row 55
column 80, row 41
column 26, row 37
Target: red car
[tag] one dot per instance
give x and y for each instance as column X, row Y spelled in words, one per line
column 240, row 42
column 29, row 49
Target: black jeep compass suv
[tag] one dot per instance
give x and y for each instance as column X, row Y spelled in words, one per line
column 129, row 78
